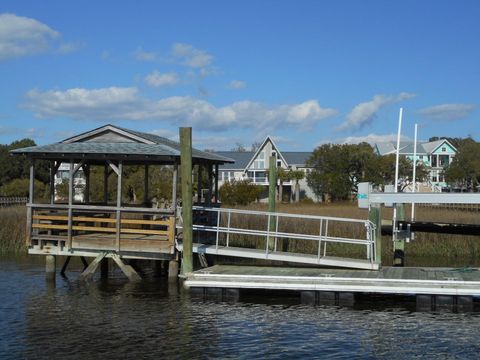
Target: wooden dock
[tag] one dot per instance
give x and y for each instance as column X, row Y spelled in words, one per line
column 387, row 280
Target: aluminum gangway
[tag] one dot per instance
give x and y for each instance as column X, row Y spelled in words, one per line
column 263, row 235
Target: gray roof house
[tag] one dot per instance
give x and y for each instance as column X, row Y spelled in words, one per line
column 253, row 166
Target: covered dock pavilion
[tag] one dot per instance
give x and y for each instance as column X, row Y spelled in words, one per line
column 111, row 228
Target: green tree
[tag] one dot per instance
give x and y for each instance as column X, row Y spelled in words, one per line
column 464, row 170
column 18, row 167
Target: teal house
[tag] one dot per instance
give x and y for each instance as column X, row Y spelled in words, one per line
column 435, row 155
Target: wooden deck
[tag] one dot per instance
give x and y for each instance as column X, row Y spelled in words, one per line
column 387, row 280
column 131, row 245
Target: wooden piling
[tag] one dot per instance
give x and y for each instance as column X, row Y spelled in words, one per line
column 50, row 267
column 186, row 173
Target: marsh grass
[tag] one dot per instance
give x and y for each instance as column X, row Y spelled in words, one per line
column 426, row 249
column 12, row 229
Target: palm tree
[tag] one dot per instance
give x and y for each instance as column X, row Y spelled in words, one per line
column 297, row 175
column 282, row 176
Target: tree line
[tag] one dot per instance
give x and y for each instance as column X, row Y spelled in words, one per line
column 336, row 170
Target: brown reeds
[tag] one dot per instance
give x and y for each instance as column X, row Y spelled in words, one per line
column 427, row 249
column 12, row 229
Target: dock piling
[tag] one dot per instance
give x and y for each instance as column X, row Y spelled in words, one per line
column 186, row 173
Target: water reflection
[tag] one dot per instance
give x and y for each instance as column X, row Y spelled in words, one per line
column 116, row 318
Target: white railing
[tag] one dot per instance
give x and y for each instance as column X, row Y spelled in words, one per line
column 223, row 225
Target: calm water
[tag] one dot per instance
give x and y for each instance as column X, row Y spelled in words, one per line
column 117, row 319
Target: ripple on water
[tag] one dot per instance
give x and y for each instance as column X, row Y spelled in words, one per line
column 119, row 319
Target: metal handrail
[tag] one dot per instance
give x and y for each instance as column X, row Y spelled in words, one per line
column 273, row 233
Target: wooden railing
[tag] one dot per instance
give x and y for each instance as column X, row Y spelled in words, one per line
column 53, row 221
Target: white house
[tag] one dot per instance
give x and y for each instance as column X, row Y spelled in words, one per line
column 62, row 174
column 254, row 166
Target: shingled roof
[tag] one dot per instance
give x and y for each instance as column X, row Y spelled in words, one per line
column 112, row 142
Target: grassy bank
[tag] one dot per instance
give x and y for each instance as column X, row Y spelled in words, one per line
column 12, row 229
column 425, row 250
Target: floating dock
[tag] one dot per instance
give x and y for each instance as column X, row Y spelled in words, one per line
column 387, row 280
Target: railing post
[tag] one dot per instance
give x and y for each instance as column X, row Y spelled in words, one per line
column 70, row 204
column 218, row 231
column 320, row 240
column 186, row 173
column 228, row 226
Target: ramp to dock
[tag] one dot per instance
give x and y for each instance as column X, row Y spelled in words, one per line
column 293, row 238
column 298, row 258
column 388, row 280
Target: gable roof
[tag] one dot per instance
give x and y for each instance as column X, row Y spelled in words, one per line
column 407, row 147
column 110, row 142
column 260, row 148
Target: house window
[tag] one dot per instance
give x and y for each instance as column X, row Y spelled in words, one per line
column 444, row 149
column 274, row 153
column 279, row 163
column 259, row 162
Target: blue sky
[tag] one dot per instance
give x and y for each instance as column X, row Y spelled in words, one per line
column 304, row 72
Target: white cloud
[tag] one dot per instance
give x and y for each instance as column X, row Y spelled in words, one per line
column 190, row 56
column 237, row 84
column 372, row 139
column 157, row 79
column 125, row 103
column 22, row 36
column 447, row 112
column 365, row 112
column 142, row 55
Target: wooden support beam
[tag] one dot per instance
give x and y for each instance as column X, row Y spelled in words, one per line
column 210, row 185
column 145, row 185
column 129, row 271
column 105, row 184
column 216, row 183
column 86, row 171
column 174, row 188
column 199, row 184
column 186, row 172
column 52, row 182
column 84, row 262
column 119, row 204
column 65, row 265
column 88, row 273
column 78, row 166
column 114, row 167
column 31, row 194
